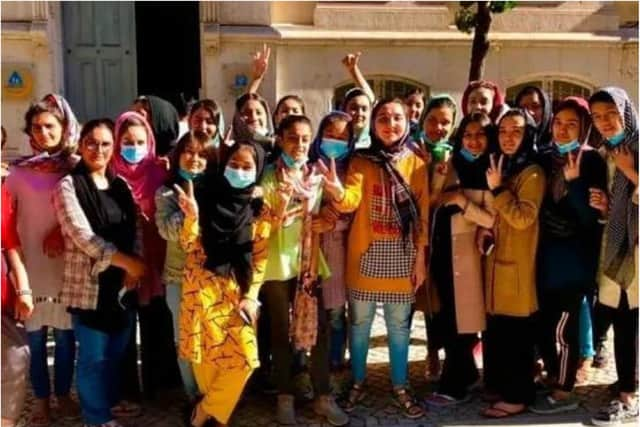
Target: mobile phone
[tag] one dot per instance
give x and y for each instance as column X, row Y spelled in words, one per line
column 488, row 245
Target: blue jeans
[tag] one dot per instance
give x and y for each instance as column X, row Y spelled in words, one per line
column 586, row 331
column 98, row 373
column 64, row 354
column 396, row 318
column 173, row 296
column 338, row 335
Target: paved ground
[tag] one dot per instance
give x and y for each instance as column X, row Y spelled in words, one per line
column 377, row 410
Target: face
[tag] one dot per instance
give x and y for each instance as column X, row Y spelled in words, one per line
column 480, row 100
column 96, row 148
column 606, row 119
column 438, row 123
column 359, row 108
column 254, row 115
column 566, row 126
column 474, row 139
column 46, row 131
column 243, row 159
column 415, row 105
column 532, row 103
column 510, row 134
column 390, row 123
column 202, row 121
column 193, row 158
column 295, row 141
column 336, row 130
column 288, row 108
column 134, row 135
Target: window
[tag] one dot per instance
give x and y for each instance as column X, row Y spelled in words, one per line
column 383, row 87
column 557, row 89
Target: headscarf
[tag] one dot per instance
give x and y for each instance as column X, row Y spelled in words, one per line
column 438, row 148
column 242, row 132
column 217, row 140
column 226, row 219
column 622, row 227
column 165, row 124
column 362, row 139
column 525, row 155
column 145, row 177
column 472, row 175
column 543, row 130
column 404, row 205
column 316, row 153
column 498, row 98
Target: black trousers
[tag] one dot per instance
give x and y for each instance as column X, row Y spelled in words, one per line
column 509, row 356
column 459, row 370
column 559, row 327
column 625, row 344
column 279, row 298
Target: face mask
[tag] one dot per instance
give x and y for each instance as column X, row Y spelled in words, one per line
column 238, row 178
column 261, row 131
column 293, row 164
column 334, row 148
column 188, row 176
column 568, row 147
column 468, row 155
column 615, row 140
column 134, row 154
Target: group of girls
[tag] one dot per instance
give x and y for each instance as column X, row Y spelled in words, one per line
column 248, row 248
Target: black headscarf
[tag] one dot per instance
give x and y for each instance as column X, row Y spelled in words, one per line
column 543, row 130
column 315, row 152
column 164, row 122
column 472, row 175
column 526, row 155
column 226, row 219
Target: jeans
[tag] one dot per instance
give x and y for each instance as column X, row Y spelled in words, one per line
column 99, row 360
column 338, row 335
column 587, row 350
column 64, row 354
column 174, row 294
column 396, row 318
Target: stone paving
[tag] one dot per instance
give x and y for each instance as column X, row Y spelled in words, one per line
column 377, row 410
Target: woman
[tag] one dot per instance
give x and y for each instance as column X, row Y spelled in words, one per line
column 517, row 184
column 252, row 122
column 97, row 216
column 568, row 250
column 537, row 103
column 485, row 97
column 53, row 134
column 464, row 204
column 207, row 122
column 226, row 253
column 163, row 118
column 358, row 105
column 387, row 188
column 616, row 121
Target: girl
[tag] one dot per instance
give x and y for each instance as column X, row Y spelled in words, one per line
column 537, row 103
column 53, row 134
column 387, row 188
column 358, row 101
column 163, row 118
column 135, row 161
column 485, row 97
column 517, row 184
column 252, row 122
column 226, row 253
column 287, row 105
column 568, row 250
column 616, row 120
column 98, row 219
column 292, row 194
column 414, row 100
column 189, row 160
column 456, row 268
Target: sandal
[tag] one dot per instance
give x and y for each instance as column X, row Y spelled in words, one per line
column 126, row 409
column 407, row 403
column 495, row 412
column 356, row 395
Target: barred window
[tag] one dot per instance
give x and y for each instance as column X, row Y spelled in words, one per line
column 383, row 87
column 558, row 89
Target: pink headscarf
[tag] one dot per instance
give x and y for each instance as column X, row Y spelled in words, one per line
column 145, row 177
column 498, row 97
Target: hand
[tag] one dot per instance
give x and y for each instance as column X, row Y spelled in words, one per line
column 350, row 61
column 424, row 154
column 130, row 282
column 453, row 198
column 481, row 235
column 134, row 267
column 285, row 187
column 442, row 168
column 187, row 200
column 571, row 170
column 24, row 307
column 53, row 244
column 494, row 173
column 258, row 192
column 163, row 162
column 623, row 158
column 228, row 141
column 332, row 184
column 419, row 270
column 599, row 200
column 250, row 307
column 260, row 62
column 320, row 225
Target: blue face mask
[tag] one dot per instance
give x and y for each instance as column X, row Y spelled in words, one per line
column 334, row 148
column 238, row 178
column 568, row 147
column 134, row 154
column 468, row 155
column 615, row 140
column 188, row 176
column 293, row 164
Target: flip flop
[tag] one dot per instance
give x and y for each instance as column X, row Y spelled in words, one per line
column 494, row 412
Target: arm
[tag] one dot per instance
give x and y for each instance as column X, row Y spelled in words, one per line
column 481, row 214
column 189, row 233
column 520, row 210
column 593, row 174
column 351, row 63
column 353, row 187
column 421, row 193
column 261, row 233
column 169, row 216
column 259, row 67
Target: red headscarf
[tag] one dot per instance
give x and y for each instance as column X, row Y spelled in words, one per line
column 498, row 97
column 145, row 177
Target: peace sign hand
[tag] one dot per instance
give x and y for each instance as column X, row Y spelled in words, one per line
column 228, row 141
column 260, row 62
column 332, row 183
column 623, row 158
column 572, row 169
column 494, row 173
column 350, row 61
column 187, row 200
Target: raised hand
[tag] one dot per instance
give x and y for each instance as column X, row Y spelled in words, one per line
column 187, row 200
column 332, row 184
column 623, row 158
column 494, row 173
column 164, row 162
column 571, row 170
column 599, row 200
column 350, row 61
column 228, row 137
column 260, row 62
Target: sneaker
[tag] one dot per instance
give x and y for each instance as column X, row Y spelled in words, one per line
column 545, row 405
column 616, row 413
column 438, row 400
column 601, row 357
column 286, row 413
column 327, row 407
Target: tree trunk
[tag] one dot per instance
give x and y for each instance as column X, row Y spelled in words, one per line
column 480, row 45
